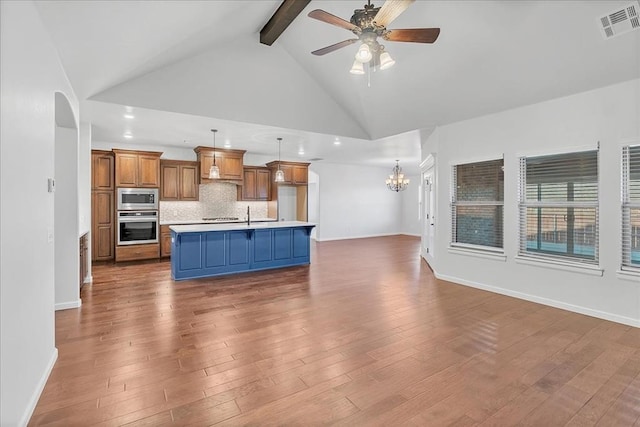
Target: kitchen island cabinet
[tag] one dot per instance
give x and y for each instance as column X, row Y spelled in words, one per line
column 206, row 250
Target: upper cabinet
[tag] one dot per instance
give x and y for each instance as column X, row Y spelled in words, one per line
column 178, row 180
column 230, row 163
column 137, row 168
column 295, row 173
column 256, row 184
column 102, row 170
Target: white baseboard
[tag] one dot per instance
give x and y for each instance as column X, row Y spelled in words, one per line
column 39, row 388
column 88, row 279
column 541, row 300
column 356, row 237
column 68, row 305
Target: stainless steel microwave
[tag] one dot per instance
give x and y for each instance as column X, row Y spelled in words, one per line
column 135, row 199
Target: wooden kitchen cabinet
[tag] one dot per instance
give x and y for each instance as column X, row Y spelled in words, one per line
column 102, row 170
column 137, row 252
column 178, row 180
column 102, row 225
column 295, row 173
column 256, row 185
column 137, row 168
column 165, row 241
column 230, row 163
column 102, row 205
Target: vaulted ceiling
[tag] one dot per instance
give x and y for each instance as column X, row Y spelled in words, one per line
column 194, row 62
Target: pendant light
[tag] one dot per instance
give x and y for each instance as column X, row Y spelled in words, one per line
column 279, row 173
column 214, row 171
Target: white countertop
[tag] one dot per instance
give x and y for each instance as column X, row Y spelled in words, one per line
column 196, row 228
column 201, row 221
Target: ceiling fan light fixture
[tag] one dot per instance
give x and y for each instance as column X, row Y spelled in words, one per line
column 364, row 53
column 357, row 68
column 386, row 61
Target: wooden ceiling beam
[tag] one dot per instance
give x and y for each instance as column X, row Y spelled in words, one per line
column 281, row 19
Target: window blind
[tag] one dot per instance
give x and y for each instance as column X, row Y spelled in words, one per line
column 630, row 207
column 477, row 205
column 559, row 206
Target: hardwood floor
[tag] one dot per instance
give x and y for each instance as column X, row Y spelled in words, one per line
column 364, row 336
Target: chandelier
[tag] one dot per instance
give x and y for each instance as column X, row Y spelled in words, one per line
column 396, row 181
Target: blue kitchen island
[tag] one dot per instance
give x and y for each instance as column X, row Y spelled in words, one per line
column 204, row 250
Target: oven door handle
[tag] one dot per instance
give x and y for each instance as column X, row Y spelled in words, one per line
column 152, row 219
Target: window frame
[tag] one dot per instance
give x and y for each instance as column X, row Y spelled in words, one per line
column 625, row 211
column 461, row 248
column 572, row 261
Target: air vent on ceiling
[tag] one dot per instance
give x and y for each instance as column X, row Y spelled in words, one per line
column 620, row 21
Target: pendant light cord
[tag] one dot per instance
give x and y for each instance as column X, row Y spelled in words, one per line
column 214, row 145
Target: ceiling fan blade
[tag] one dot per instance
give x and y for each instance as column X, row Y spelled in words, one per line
column 333, row 47
column 390, row 10
column 323, row 16
column 415, row 35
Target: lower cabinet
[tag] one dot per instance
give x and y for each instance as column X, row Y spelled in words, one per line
column 213, row 253
column 165, row 241
column 137, row 252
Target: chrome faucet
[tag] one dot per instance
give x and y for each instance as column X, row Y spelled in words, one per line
column 248, row 215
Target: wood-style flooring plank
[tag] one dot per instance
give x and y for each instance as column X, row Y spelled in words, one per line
column 365, row 335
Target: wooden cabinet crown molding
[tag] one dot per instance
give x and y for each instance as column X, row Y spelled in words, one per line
column 137, row 152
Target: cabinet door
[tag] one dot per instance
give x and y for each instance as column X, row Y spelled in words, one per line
column 165, row 241
column 231, row 168
column 288, row 174
column 263, row 184
column 169, row 182
column 300, row 174
column 126, row 170
column 206, row 161
column 103, row 225
column 188, row 179
column 148, row 171
column 102, row 172
column 249, row 185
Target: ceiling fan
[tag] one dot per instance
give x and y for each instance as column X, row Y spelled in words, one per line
column 369, row 24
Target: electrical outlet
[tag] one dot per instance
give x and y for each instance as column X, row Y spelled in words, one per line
column 49, row 235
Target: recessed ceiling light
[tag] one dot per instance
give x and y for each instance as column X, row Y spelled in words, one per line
column 129, row 116
column 301, row 152
column 227, row 144
column 128, row 135
column 336, row 142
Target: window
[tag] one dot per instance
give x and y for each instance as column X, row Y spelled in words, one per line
column 630, row 207
column 559, row 206
column 477, row 205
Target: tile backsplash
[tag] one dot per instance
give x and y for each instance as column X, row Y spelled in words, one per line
column 216, row 200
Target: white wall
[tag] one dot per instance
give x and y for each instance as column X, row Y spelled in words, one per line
column 66, row 244
column 355, row 202
column 30, row 73
column 610, row 116
column 84, row 179
column 410, row 207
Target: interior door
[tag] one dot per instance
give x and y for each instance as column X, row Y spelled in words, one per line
column 428, row 231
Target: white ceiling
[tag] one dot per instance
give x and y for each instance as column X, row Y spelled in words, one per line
column 187, row 66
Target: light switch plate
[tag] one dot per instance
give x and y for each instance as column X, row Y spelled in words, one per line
column 51, row 185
